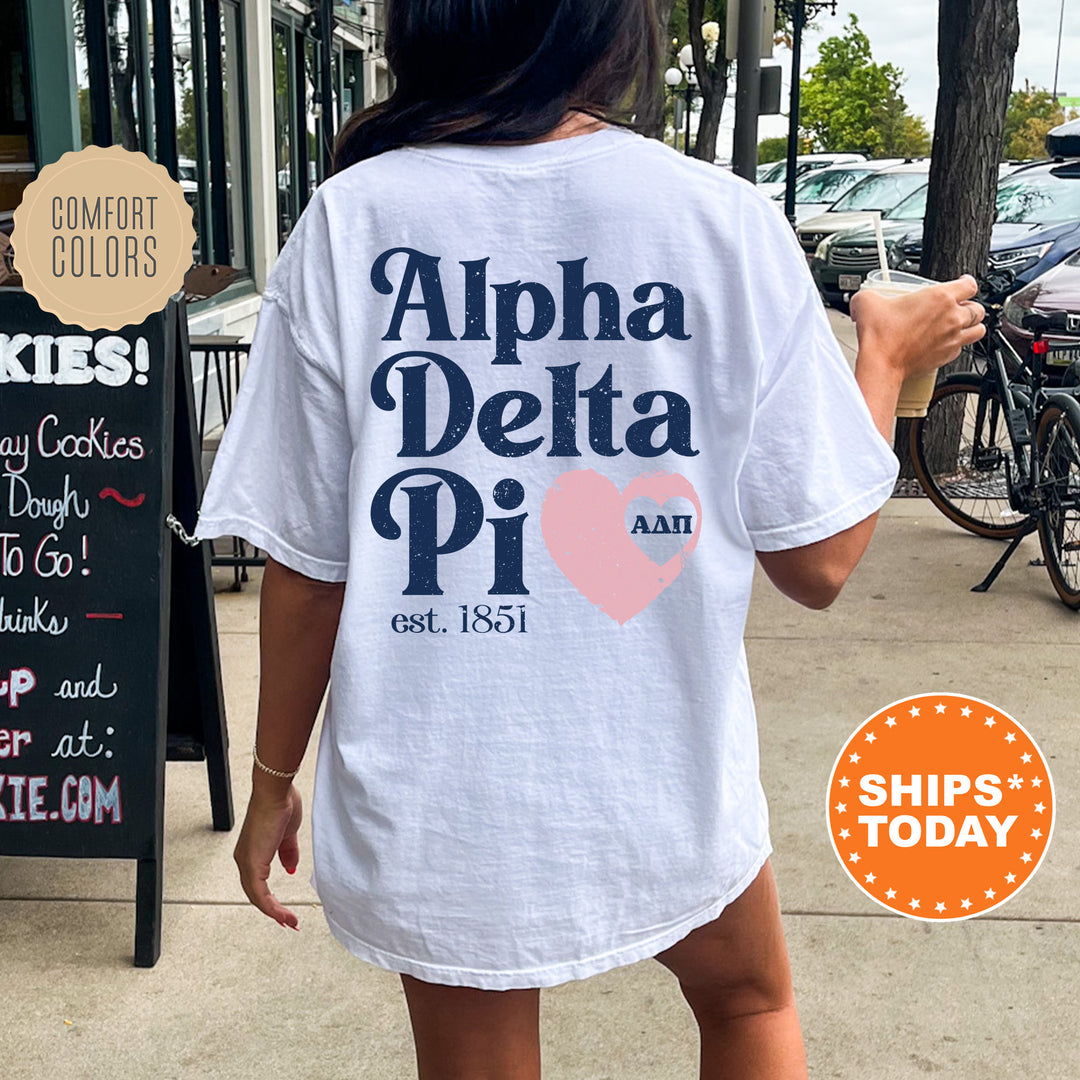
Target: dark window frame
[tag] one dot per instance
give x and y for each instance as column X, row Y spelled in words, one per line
column 156, row 99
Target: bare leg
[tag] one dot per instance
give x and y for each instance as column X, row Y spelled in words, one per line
column 735, row 975
column 462, row 1033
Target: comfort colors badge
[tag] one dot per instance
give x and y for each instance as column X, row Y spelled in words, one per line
column 103, row 237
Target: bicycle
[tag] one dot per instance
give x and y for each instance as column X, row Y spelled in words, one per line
column 998, row 452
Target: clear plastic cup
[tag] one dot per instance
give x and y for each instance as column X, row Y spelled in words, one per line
column 916, row 392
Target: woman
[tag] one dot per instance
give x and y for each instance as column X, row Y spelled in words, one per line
column 539, row 756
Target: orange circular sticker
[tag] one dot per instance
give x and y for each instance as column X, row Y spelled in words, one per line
column 940, row 807
column 103, row 237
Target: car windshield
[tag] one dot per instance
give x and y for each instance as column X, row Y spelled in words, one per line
column 913, row 208
column 774, row 175
column 1038, row 199
column 828, row 185
column 882, row 191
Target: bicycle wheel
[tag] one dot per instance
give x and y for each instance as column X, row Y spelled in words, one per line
column 1059, row 521
column 960, row 451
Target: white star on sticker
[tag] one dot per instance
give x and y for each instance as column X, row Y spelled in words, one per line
column 1026, row 759
column 854, row 857
column 870, row 879
column 841, row 807
column 1011, row 737
column 990, row 894
column 1036, row 781
column 990, row 721
column 1015, row 781
column 844, row 781
column 1039, row 808
column 913, row 710
column 965, row 711
column 965, row 904
column 870, row 736
column 891, row 722
column 939, row 708
column 1036, row 833
column 890, row 894
column 1026, row 857
column 939, row 906
column 853, row 758
column 1010, row 878
column 844, row 834
column 913, row 903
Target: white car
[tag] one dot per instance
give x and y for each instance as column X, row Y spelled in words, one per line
column 879, row 191
column 774, row 178
column 816, row 191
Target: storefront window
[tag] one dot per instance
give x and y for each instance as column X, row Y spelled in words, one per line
column 16, row 160
column 232, row 83
column 187, row 143
column 283, row 129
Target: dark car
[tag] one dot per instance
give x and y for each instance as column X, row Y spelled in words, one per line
column 844, row 258
column 1056, row 290
column 1038, row 225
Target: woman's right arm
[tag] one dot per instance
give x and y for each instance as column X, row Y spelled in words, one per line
column 897, row 338
column 298, row 620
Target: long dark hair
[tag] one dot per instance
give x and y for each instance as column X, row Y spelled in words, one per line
column 504, row 70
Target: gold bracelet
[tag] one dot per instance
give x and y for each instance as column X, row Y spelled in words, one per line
column 267, row 769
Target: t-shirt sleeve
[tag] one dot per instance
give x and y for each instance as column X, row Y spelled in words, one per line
column 816, row 463
column 280, row 477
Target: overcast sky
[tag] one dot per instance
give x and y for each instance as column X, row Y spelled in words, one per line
column 904, row 33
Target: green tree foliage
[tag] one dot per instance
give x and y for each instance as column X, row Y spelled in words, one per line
column 1031, row 114
column 772, row 149
column 852, row 105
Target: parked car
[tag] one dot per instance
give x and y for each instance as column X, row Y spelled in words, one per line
column 775, row 178
column 843, row 259
column 880, row 191
column 1064, row 140
column 1056, row 290
column 1038, row 225
column 816, row 191
column 1038, row 221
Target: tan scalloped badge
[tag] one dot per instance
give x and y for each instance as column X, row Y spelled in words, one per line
column 103, row 237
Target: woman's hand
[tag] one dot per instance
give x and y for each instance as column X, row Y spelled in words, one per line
column 920, row 332
column 270, row 828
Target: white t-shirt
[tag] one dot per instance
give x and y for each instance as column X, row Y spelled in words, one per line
column 538, row 405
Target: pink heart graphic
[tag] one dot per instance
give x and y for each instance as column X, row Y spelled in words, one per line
column 584, row 528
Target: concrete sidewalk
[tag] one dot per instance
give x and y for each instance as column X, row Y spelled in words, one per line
column 881, row 997
column 235, row 996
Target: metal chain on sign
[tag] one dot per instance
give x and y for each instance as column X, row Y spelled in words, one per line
column 174, row 523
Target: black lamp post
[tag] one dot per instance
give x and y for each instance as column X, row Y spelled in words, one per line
column 673, row 76
column 798, row 11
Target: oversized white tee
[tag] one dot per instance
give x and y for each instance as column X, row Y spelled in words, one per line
column 537, row 406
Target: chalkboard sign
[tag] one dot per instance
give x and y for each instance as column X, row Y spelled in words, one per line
column 90, row 607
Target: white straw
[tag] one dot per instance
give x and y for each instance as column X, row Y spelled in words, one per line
column 883, row 256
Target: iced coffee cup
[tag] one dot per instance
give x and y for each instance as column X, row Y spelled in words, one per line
column 915, row 393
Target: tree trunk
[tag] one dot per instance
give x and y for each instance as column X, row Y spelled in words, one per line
column 712, row 84
column 650, row 99
column 977, row 42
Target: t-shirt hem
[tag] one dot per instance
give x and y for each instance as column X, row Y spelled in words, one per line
column 278, row 549
column 835, row 521
column 553, row 974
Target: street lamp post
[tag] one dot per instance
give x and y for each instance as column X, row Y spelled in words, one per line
column 674, row 76
column 1057, row 62
column 798, row 11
